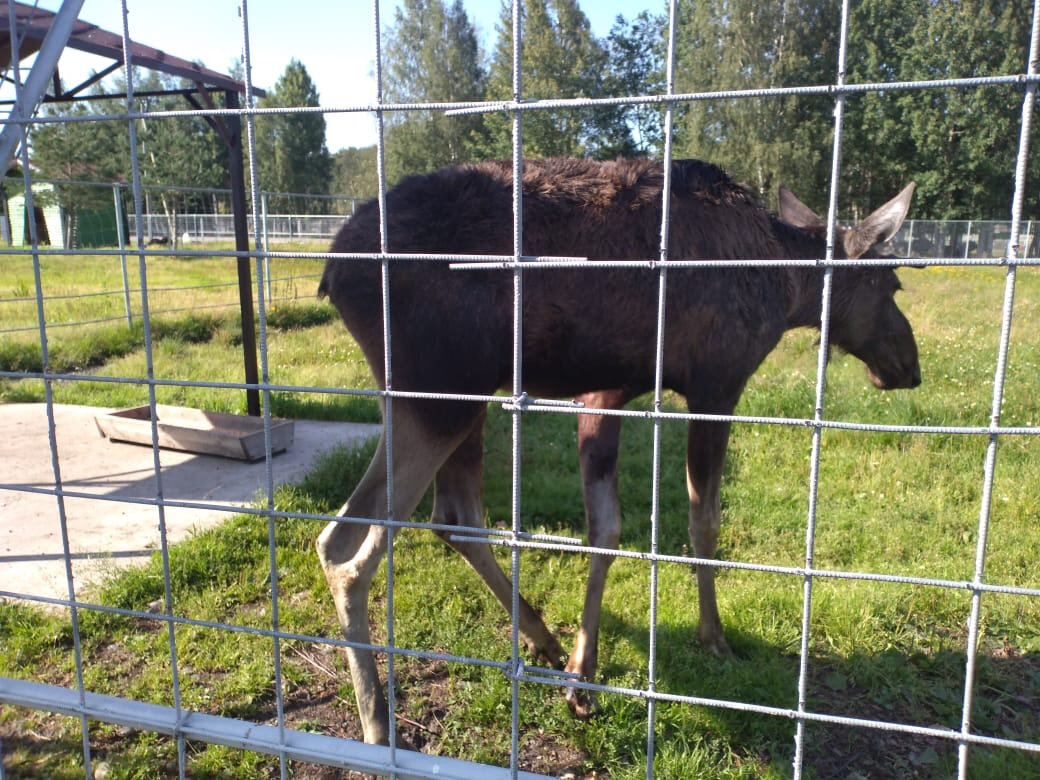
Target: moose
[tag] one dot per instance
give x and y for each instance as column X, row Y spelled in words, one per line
column 587, row 333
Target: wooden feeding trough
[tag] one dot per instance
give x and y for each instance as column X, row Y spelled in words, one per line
column 194, row 430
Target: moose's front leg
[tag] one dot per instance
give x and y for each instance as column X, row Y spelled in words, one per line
column 706, row 451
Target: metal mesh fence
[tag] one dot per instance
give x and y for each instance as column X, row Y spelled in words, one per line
column 967, row 244
column 964, row 238
column 172, row 214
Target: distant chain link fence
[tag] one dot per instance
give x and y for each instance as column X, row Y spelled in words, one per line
column 220, row 227
column 84, row 214
column 966, row 239
column 306, row 216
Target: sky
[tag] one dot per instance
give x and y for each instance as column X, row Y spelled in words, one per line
column 332, row 38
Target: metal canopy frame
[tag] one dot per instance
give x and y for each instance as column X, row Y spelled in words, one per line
column 33, row 25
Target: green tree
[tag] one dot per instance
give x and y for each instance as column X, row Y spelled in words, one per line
column 956, row 143
column 432, row 56
column 636, row 52
column 172, row 151
column 743, row 45
column 965, row 140
column 561, row 59
column 878, row 154
column 354, row 172
column 176, row 151
column 80, row 151
column 95, row 151
column 291, row 152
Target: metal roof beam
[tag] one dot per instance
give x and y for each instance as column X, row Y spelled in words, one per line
column 94, row 79
column 35, row 86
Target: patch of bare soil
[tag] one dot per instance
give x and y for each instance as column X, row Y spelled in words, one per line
column 317, row 705
column 423, row 688
column 1007, row 705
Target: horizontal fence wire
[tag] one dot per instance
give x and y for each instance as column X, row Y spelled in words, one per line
column 506, row 262
column 955, row 244
column 552, row 406
column 527, row 105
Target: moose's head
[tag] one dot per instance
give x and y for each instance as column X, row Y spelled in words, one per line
column 865, row 321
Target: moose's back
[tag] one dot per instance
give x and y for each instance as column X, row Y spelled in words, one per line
column 451, row 331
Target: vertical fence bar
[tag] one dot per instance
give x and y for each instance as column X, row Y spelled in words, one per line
column 655, row 487
column 821, row 385
column 971, row 650
column 164, row 548
column 518, row 294
column 388, row 427
column 48, row 389
column 121, row 238
column 266, row 245
column 261, row 275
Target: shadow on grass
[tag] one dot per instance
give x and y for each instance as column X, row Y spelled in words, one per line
column 891, row 687
column 345, row 408
column 923, row 689
column 758, row 674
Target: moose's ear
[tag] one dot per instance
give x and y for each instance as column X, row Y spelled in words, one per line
column 794, row 212
column 880, row 226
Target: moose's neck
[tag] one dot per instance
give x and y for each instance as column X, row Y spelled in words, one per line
column 803, row 285
column 803, row 292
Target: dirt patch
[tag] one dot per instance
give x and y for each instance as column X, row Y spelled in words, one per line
column 424, row 688
column 1007, row 705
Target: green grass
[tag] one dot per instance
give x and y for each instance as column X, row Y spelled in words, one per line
column 71, row 285
column 196, row 333
column 891, row 503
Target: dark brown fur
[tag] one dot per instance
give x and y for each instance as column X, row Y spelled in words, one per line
column 583, row 329
column 586, row 332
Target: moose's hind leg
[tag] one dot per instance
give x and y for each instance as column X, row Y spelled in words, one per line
column 457, row 501
column 706, row 452
column 598, row 441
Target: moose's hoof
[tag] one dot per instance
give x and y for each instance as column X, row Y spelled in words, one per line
column 715, row 643
column 581, row 702
column 551, row 653
column 403, row 743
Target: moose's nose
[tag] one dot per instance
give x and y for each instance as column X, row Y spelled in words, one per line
column 911, row 379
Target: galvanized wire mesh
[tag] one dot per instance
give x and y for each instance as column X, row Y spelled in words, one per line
column 974, row 245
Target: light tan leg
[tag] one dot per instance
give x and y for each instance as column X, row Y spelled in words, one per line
column 598, row 438
column 706, row 452
column 457, row 501
column 350, row 553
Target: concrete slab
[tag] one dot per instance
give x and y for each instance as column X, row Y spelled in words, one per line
column 105, row 534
